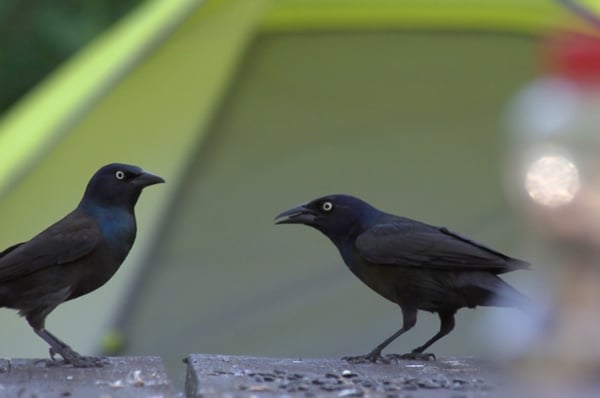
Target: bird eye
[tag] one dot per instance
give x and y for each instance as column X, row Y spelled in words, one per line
column 120, row 175
column 327, row 206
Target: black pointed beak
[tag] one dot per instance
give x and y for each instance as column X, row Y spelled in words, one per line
column 298, row 215
column 145, row 179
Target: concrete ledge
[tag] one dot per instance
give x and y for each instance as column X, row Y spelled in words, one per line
column 120, row 377
column 238, row 376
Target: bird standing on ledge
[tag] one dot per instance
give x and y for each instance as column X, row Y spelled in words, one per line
column 416, row 265
column 76, row 255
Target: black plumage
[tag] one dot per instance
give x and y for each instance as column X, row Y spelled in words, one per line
column 416, row 265
column 76, row 255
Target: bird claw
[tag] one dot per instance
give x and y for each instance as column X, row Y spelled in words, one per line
column 90, row 362
column 415, row 356
column 368, row 358
column 376, row 357
column 81, row 362
column 74, row 359
column 53, row 353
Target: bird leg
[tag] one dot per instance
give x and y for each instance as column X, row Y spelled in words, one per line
column 409, row 319
column 69, row 355
column 446, row 326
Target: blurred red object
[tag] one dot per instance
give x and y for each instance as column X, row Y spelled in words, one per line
column 573, row 55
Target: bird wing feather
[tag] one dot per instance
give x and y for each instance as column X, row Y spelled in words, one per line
column 413, row 244
column 67, row 240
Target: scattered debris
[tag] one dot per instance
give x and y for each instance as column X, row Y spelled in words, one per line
column 335, row 378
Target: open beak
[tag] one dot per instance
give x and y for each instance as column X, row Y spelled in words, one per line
column 145, row 179
column 298, row 215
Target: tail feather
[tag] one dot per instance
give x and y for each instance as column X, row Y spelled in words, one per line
column 491, row 290
column 507, row 296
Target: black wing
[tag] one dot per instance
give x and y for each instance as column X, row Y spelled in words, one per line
column 409, row 243
column 67, row 240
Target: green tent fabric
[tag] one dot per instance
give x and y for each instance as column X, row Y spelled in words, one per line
column 125, row 98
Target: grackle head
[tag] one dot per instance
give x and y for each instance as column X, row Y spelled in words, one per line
column 334, row 215
column 119, row 185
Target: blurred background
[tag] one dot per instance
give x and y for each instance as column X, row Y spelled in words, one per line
column 247, row 109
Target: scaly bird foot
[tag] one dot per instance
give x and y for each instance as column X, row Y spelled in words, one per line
column 372, row 357
column 415, row 356
column 71, row 357
column 90, row 362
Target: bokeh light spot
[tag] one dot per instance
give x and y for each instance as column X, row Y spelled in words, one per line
column 552, row 181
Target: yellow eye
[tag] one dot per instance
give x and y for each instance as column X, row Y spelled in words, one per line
column 327, row 206
column 120, row 175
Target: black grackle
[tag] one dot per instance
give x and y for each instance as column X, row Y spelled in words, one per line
column 76, row 255
column 417, row 266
